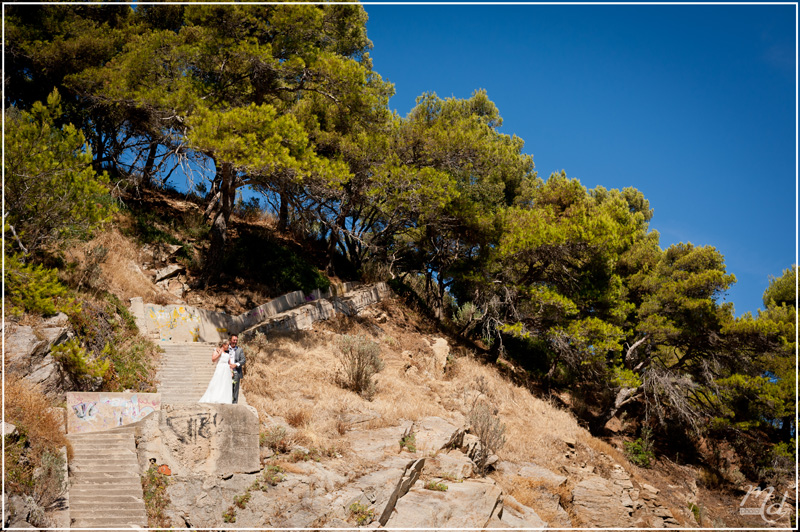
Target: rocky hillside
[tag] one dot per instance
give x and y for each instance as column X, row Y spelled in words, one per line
column 445, row 438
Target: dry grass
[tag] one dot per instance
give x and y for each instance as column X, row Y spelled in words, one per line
column 119, row 268
column 28, row 409
column 293, row 373
column 601, row 447
column 299, row 417
column 33, row 460
column 538, row 495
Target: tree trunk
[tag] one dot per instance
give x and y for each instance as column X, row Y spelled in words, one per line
column 219, row 227
column 283, row 214
column 147, row 173
column 213, row 197
column 333, row 241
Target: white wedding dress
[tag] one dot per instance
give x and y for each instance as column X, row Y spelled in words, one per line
column 220, row 389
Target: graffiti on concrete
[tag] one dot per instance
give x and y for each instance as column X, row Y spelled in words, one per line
column 189, row 428
column 85, row 411
column 94, row 411
column 166, row 320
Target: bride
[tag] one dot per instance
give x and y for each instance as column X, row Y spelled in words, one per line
column 220, row 389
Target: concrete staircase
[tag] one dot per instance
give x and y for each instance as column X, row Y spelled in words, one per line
column 186, row 369
column 105, row 486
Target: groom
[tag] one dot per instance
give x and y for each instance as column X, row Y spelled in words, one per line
column 237, row 362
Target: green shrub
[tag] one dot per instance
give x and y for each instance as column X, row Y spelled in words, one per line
column 640, row 452
column 489, row 430
column 110, row 334
column 273, row 474
column 360, row 359
column 229, row 515
column 696, row 512
column 19, row 469
column 466, row 315
column 362, row 513
column 276, row 439
column 156, row 500
column 409, row 441
column 77, row 363
column 435, row 486
column 240, row 501
column 49, row 478
column 35, row 289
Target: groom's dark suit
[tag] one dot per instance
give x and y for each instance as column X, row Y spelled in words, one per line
column 238, row 372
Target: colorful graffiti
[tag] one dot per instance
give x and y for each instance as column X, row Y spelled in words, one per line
column 171, row 319
column 95, row 411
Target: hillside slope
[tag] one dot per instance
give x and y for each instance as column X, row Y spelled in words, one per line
column 331, row 457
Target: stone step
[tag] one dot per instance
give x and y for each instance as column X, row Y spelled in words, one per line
column 87, row 451
column 183, row 381
column 84, row 494
column 111, row 469
column 83, row 449
column 185, row 376
column 111, row 486
column 187, row 355
column 127, row 514
column 106, row 477
column 187, row 365
column 100, row 438
column 106, row 461
column 103, row 436
column 183, row 362
column 105, row 505
column 108, row 525
column 181, row 370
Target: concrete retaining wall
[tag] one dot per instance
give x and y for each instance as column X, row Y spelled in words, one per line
column 181, row 323
column 96, row 411
column 284, row 303
column 303, row 317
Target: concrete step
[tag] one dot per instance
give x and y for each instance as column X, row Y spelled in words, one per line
column 86, row 451
column 110, row 486
column 88, row 439
column 81, row 495
column 185, row 374
column 111, row 469
column 109, row 525
column 131, row 516
column 106, row 462
column 121, row 478
column 120, row 435
column 105, row 506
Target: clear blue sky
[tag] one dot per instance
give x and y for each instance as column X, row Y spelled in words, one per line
column 693, row 105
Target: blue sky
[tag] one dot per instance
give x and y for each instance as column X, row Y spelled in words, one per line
column 693, row 105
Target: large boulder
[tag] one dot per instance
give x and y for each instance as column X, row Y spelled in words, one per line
column 201, row 439
column 373, row 445
column 453, row 465
column 599, row 501
column 441, row 350
column 432, row 433
column 27, row 354
column 512, row 514
column 468, row 504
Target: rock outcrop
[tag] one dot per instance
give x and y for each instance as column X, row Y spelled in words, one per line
column 201, row 439
column 27, row 354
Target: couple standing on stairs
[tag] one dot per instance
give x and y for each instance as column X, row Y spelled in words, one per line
column 224, row 385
